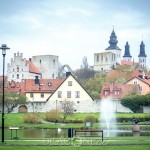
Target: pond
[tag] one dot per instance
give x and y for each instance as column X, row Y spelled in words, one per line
column 63, row 133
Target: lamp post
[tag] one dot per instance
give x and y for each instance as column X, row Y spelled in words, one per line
column 4, row 48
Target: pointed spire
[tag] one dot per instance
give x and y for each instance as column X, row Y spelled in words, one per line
column 142, row 50
column 127, row 50
column 113, row 42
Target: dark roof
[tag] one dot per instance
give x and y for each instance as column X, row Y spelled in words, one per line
column 113, row 42
column 127, row 50
column 142, row 50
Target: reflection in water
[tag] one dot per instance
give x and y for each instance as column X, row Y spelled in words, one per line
column 63, row 133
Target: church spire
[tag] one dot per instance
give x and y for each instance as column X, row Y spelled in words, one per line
column 142, row 50
column 127, row 50
column 142, row 56
column 113, row 42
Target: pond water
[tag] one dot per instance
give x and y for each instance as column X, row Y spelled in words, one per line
column 63, row 133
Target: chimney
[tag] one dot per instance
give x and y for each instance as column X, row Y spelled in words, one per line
column 36, row 80
column 68, row 74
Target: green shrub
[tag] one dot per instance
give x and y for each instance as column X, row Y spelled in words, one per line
column 90, row 118
column 32, row 118
column 53, row 115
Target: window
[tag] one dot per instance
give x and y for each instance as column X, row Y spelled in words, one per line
column 13, row 76
column 135, row 82
column 97, row 58
column 59, row 94
column 78, row 102
column 106, row 92
column 42, row 95
column 102, row 58
column 69, row 83
column 77, row 94
column 31, row 95
column 117, row 92
column 53, row 75
column 40, row 61
column 68, row 94
column 106, row 59
column 17, row 76
column 17, row 69
column 22, row 75
column 141, row 89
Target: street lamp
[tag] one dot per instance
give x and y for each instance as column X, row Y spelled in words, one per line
column 4, row 48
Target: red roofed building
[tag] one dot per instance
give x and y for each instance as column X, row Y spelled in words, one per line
column 118, row 91
column 40, row 89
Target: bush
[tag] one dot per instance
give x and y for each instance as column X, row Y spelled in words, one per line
column 32, row 118
column 90, row 118
column 52, row 116
column 134, row 102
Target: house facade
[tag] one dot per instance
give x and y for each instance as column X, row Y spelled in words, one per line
column 71, row 90
column 20, row 69
column 46, row 94
column 144, row 84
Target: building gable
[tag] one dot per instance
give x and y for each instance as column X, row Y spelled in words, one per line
column 71, row 89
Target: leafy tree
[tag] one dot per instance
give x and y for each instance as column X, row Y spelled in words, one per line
column 134, row 102
column 12, row 100
column 93, row 85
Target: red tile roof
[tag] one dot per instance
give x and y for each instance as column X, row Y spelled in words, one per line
column 118, row 91
column 137, row 73
column 125, row 62
column 16, row 87
column 32, row 67
column 46, row 85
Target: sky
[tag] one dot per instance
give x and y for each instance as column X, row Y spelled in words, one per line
column 72, row 29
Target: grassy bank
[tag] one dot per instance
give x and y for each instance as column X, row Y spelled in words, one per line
column 124, row 120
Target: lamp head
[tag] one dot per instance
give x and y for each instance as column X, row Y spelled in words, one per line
column 4, row 48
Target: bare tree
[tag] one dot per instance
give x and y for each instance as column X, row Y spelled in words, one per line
column 67, row 108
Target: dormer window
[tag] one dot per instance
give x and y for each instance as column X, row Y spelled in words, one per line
column 106, row 92
column 117, row 92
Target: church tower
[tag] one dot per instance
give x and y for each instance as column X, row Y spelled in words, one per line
column 127, row 55
column 142, row 56
column 114, row 48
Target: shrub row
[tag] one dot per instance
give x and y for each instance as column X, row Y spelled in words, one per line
column 32, row 118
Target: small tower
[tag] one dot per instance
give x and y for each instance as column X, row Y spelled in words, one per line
column 127, row 55
column 142, row 56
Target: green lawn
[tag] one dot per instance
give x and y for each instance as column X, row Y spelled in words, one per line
column 140, row 147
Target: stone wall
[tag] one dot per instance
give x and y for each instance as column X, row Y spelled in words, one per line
column 82, row 107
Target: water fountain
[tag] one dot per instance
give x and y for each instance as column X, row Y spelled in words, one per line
column 108, row 119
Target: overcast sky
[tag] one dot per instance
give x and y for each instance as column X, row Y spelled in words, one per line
column 73, row 29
